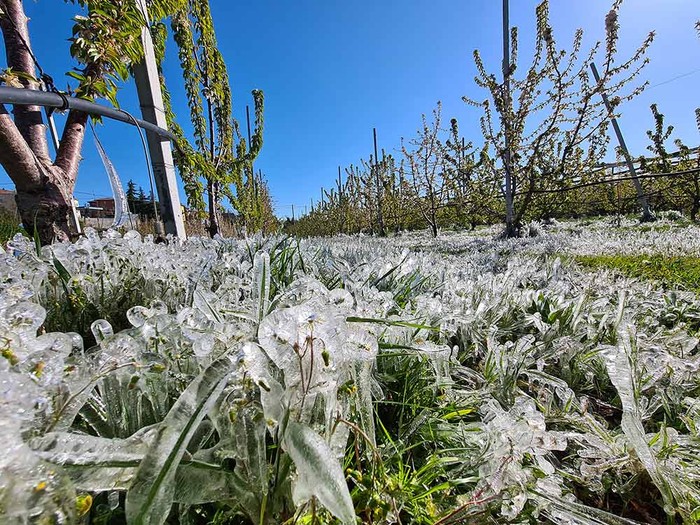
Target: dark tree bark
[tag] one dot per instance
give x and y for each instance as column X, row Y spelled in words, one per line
column 44, row 187
column 213, row 189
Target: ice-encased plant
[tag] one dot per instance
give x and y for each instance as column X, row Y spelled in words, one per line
column 381, row 380
column 155, row 409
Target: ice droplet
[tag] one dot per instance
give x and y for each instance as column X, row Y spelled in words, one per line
column 101, row 329
column 132, row 235
column 158, row 307
column 138, row 315
column 24, row 318
column 113, row 500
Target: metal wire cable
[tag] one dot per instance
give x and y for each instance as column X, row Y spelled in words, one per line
column 148, row 161
column 610, row 181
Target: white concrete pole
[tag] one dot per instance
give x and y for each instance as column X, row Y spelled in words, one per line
column 152, row 110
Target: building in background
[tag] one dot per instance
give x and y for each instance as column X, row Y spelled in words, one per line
column 103, row 207
column 7, row 201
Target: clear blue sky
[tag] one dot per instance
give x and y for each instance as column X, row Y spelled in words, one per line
column 333, row 70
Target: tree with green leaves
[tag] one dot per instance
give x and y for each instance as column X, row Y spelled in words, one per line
column 131, row 195
column 105, row 41
column 219, row 154
column 255, row 207
column 263, row 218
column 658, row 137
column 550, row 126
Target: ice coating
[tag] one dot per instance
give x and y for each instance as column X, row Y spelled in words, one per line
column 508, row 336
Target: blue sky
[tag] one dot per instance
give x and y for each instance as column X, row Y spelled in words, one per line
column 333, row 70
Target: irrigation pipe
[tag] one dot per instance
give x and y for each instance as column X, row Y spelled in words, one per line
column 33, row 97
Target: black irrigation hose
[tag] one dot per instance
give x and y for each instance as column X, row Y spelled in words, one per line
column 33, row 97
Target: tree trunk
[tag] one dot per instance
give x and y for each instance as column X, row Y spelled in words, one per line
column 213, row 189
column 44, row 189
column 47, row 208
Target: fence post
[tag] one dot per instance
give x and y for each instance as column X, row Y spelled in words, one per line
column 152, row 110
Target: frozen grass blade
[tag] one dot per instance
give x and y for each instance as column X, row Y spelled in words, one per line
column 151, row 494
column 320, row 474
column 261, row 280
column 624, row 372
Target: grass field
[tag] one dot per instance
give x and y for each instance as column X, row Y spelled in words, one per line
column 548, row 379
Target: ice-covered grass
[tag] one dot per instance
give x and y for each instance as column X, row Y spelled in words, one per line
column 353, row 379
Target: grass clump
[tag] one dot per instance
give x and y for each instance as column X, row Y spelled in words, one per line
column 671, row 272
column 9, row 226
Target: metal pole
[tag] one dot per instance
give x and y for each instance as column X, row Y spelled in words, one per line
column 152, row 109
column 507, row 154
column 647, row 215
column 56, row 144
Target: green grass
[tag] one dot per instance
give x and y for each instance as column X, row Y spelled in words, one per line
column 672, row 272
column 9, row 226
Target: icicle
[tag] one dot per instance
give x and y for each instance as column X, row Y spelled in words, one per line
column 121, row 205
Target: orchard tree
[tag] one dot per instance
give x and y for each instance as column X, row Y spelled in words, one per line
column 255, row 203
column 425, row 156
column 215, row 156
column 467, row 193
column 363, row 192
column 106, row 41
column 550, row 125
column 681, row 191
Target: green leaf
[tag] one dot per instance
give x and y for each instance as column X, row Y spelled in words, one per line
column 196, row 485
column 98, row 464
column 151, row 494
column 387, row 322
column 250, row 431
column 61, row 271
column 94, row 463
column 320, row 473
column 77, row 76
